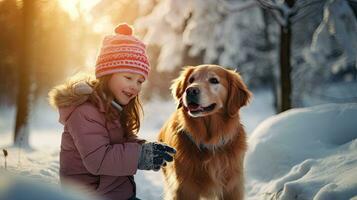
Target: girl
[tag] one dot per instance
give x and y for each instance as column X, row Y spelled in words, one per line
column 101, row 117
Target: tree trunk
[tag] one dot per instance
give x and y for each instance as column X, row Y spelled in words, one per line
column 267, row 42
column 285, row 65
column 21, row 136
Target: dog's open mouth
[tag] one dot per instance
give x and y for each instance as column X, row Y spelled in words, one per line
column 196, row 108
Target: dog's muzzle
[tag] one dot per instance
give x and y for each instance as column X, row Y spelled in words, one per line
column 192, row 95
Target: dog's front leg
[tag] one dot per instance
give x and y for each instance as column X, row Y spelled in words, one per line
column 186, row 193
column 237, row 193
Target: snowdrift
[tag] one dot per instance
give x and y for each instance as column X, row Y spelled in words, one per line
column 308, row 153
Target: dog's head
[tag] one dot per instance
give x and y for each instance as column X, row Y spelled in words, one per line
column 207, row 89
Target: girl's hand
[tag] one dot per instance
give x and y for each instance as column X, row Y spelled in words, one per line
column 154, row 155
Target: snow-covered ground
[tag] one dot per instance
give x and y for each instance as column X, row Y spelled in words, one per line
column 308, row 153
column 300, row 154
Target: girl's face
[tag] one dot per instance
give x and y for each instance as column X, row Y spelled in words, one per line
column 125, row 86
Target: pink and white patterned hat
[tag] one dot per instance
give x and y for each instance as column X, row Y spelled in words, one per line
column 122, row 52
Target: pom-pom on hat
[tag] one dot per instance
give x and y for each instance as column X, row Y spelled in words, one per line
column 122, row 52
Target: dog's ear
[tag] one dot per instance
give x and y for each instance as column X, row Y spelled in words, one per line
column 179, row 85
column 238, row 93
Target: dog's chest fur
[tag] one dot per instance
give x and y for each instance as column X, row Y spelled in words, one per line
column 209, row 165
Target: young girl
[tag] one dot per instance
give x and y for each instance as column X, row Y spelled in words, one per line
column 101, row 117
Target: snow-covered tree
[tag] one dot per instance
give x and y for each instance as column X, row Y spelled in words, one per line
column 240, row 34
column 331, row 56
column 227, row 33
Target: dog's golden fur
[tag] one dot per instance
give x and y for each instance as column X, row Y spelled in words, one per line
column 210, row 148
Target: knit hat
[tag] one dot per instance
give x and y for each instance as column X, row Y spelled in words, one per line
column 122, row 52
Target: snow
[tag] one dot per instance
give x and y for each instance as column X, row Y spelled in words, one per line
column 238, row 34
column 161, row 33
column 337, row 30
column 307, row 153
column 209, row 28
column 18, row 188
column 331, row 56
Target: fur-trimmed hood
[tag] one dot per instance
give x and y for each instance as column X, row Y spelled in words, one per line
column 68, row 96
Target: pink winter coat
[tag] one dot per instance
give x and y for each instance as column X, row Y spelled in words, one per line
column 95, row 153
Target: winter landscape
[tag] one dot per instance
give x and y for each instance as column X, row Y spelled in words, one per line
column 308, row 153
column 302, row 139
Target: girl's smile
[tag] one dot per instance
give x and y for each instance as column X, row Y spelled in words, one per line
column 128, row 94
column 125, row 86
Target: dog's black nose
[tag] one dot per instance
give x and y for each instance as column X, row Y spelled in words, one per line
column 192, row 91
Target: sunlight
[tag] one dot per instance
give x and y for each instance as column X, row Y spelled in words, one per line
column 77, row 7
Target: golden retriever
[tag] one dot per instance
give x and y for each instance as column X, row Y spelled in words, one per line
column 207, row 134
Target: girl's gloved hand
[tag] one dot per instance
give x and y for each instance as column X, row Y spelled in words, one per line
column 154, row 155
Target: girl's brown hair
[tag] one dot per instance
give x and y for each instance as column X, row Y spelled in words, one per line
column 130, row 115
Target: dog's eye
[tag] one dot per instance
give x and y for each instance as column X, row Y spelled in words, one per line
column 191, row 80
column 213, row 81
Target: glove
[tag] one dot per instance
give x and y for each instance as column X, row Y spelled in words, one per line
column 153, row 155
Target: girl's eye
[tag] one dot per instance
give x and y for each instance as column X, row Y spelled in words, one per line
column 191, row 80
column 127, row 77
column 213, row 81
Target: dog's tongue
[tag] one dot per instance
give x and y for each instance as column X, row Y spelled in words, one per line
column 193, row 107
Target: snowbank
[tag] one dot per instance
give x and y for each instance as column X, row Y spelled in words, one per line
column 20, row 188
column 308, row 153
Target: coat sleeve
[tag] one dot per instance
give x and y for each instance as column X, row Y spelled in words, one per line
column 91, row 138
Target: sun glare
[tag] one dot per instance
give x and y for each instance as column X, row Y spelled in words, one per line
column 77, row 7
